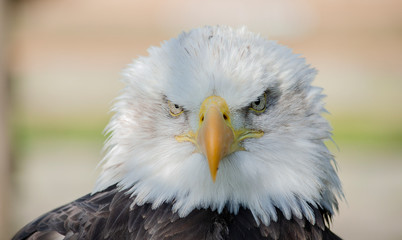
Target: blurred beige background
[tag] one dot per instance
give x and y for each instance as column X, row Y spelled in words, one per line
column 60, row 63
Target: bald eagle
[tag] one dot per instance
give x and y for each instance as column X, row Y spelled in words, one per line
column 218, row 134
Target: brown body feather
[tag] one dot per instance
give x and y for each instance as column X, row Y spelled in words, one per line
column 107, row 215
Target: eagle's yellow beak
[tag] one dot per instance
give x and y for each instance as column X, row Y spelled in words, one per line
column 215, row 134
column 216, row 137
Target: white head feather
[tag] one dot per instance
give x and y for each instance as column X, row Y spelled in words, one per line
column 288, row 168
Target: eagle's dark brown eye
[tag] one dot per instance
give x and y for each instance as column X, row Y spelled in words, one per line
column 260, row 104
column 174, row 109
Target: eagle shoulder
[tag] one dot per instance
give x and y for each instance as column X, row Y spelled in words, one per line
column 107, row 215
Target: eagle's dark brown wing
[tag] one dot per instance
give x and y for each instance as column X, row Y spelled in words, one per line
column 107, row 215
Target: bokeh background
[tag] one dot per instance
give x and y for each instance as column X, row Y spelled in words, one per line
column 60, row 64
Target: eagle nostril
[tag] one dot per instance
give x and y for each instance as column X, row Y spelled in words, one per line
column 225, row 116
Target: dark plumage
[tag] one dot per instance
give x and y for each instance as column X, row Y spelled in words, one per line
column 106, row 215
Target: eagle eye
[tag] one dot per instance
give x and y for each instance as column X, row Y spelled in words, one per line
column 260, row 104
column 174, row 109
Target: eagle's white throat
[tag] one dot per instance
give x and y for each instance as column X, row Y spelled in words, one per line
column 288, row 168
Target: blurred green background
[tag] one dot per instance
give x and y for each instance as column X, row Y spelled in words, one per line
column 60, row 65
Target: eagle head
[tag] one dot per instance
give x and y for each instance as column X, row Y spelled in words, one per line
column 222, row 118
